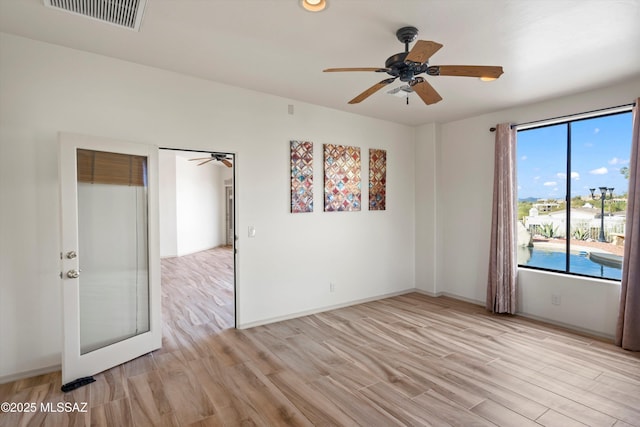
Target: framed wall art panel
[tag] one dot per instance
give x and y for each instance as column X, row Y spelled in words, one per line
column 301, row 176
column 342, row 191
column 377, row 179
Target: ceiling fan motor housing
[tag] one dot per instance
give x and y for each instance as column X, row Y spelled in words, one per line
column 396, row 61
column 405, row 70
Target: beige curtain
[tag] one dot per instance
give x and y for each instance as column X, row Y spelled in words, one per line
column 503, row 264
column 628, row 330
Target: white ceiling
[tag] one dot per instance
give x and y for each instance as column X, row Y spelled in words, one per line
column 548, row 48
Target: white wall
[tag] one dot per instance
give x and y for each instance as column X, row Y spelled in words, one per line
column 463, row 198
column 199, row 196
column 589, row 305
column 167, row 204
column 426, row 164
column 285, row 269
column 191, row 205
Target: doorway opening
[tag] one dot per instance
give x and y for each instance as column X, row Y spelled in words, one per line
column 197, row 241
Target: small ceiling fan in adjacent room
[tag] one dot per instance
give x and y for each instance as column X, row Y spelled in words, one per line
column 218, row 157
column 408, row 65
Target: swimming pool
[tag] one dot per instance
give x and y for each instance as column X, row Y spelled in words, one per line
column 579, row 263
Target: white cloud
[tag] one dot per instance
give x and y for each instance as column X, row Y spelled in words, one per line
column 550, row 184
column 536, row 178
column 596, row 130
column 523, row 158
column 617, row 161
column 599, row 171
column 562, row 175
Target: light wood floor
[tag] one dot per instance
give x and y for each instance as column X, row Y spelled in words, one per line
column 407, row 360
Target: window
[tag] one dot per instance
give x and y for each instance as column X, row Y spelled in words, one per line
column 572, row 195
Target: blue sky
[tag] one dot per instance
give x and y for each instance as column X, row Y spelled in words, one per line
column 599, row 148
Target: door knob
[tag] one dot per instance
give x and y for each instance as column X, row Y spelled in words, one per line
column 73, row 274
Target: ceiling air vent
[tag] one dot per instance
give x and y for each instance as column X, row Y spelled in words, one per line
column 123, row 13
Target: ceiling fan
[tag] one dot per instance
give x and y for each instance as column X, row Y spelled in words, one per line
column 218, row 157
column 409, row 64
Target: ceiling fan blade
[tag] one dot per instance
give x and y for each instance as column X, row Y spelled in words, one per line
column 425, row 91
column 376, row 69
column 465, row 71
column 206, row 161
column 373, row 89
column 422, row 51
column 226, row 162
column 199, row 158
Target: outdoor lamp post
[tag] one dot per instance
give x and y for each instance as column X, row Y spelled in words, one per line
column 602, row 198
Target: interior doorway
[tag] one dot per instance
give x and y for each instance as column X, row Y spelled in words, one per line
column 197, row 238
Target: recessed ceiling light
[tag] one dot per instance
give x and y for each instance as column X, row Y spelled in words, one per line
column 314, row 5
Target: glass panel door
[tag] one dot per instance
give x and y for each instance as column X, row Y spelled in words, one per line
column 110, row 253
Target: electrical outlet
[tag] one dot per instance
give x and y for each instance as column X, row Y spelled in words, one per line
column 555, row 299
column 332, row 287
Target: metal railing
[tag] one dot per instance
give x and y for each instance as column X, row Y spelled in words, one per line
column 580, row 229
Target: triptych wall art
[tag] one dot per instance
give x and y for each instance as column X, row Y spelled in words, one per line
column 342, row 188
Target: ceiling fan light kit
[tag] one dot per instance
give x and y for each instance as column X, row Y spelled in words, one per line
column 314, row 5
column 408, row 65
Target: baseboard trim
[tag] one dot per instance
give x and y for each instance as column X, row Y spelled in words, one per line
column 573, row 328
column 192, row 252
column 450, row 295
column 322, row 309
column 28, row 374
column 567, row 326
column 427, row 293
column 459, row 298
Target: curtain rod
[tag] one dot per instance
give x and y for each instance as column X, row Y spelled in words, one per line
column 633, row 104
